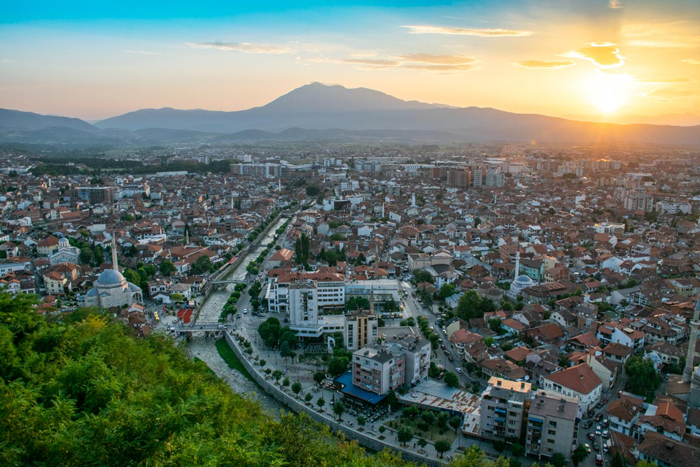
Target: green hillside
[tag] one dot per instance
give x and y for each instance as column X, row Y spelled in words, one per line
column 80, row 391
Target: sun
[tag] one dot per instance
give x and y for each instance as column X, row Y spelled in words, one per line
column 608, row 92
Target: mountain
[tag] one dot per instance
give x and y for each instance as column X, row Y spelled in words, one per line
column 320, row 107
column 320, row 112
column 31, row 121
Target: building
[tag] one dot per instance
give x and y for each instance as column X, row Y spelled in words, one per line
column 383, row 290
column 666, row 452
column 551, row 426
column 577, row 381
column 65, row 253
column 111, row 289
column 624, row 413
column 378, row 371
column 504, row 406
column 96, row 194
column 360, row 329
column 416, row 351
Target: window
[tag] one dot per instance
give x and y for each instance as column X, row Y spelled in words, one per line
column 551, row 432
column 553, row 424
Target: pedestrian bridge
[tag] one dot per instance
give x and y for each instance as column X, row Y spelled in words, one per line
column 198, row 327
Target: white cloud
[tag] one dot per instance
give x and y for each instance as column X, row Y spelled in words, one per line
column 603, row 54
column 545, row 64
column 427, row 29
column 245, row 47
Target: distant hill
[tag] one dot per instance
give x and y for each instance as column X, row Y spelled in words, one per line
column 320, row 107
column 320, row 112
column 31, row 121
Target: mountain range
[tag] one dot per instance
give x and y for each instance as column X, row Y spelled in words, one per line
column 320, row 112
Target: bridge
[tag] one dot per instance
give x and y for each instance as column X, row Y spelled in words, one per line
column 198, row 327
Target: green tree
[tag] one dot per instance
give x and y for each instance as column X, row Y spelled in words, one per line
column 320, row 402
column 339, row 409
column 451, row 379
column 579, row 455
column 167, row 267
column 421, row 275
column 338, row 365
column 404, row 435
column 618, row 460
column 202, row 265
column 447, row 290
column 131, row 276
column 442, row 446
column 558, row 460
column 642, row 377
column 361, row 420
column 296, row 387
column 319, row 376
column 308, row 397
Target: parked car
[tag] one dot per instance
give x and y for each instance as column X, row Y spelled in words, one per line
column 587, row 446
column 449, row 357
column 606, row 434
column 598, row 417
column 596, row 447
column 598, row 431
column 591, row 436
column 587, row 424
column 459, row 370
column 598, row 459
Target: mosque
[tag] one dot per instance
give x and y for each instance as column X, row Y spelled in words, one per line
column 520, row 281
column 111, row 289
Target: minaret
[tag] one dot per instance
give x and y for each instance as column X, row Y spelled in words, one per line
column 413, row 200
column 517, row 264
column 690, row 358
column 371, row 302
column 115, row 263
column 187, row 235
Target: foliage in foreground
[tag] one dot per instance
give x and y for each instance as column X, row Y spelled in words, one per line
column 80, row 391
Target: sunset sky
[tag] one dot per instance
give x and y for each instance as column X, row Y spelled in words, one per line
column 582, row 58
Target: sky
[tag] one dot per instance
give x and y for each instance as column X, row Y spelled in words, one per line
column 592, row 59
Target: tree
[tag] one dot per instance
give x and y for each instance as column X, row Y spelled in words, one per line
column 339, row 409
column 642, row 377
column 579, row 455
column 319, row 376
column 131, row 276
column 320, row 402
column 442, row 446
column 167, row 267
column 361, row 420
column 455, row 422
column 338, row 365
column 277, row 374
column 558, row 460
column 86, row 255
column 447, row 290
column 451, row 379
column 618, row 460
column 285, row 382
column 404, row 435
column 312, row 191
column 518, row 450
column 296, row 387
column 421, row 275
column 202, row 265
column 422, row 442
column 308, row 397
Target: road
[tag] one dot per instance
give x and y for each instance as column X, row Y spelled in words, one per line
column 413, row 307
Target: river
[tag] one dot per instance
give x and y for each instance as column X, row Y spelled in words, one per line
column 205, row 349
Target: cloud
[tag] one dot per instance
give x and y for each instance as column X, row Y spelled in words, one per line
column 670, row 93
column 437, row 59
column 691, row 61
column 665, row 80
column 675, row 34
column 545, row 64
column 464, row 67
column 379, row 63
column 615, row 4
column 245, row 47
column 427, row 29
column 7, row 60
column 603, row 54
column 140, row 52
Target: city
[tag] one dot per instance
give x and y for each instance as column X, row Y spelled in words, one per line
column 352, row 234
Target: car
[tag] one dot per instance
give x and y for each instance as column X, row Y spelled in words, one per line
column 606, row 449
column 596, row 446
column 591, row 436
column 587, row 424
column 606, row 434
column 459, row 370
column 440, row 340
column 598, row 431
column 598, row 417
column 245, row 311
column 449, row 357
column 588, row 447
column 598, row 459
column 606, row 422
column 443, row 347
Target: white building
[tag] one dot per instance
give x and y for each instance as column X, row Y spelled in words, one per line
column 577, row 381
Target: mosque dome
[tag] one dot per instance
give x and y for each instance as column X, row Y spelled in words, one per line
column 524, row 280
column 110, row 277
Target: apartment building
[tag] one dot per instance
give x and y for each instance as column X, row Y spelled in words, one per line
column 551, row 425
column 360, row 329
column 378, row 370
column 504, row 406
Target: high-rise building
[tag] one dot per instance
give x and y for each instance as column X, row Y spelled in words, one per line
column 96, row 194
column 360, row 329
column 504, row 406
column 378, row 370
column 551, row 425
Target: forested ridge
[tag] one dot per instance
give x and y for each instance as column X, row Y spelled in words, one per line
column 79, row 390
